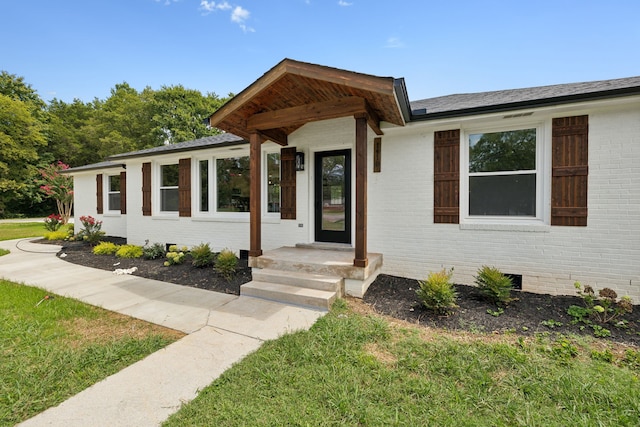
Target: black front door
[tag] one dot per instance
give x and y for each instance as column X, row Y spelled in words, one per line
column 333, row 196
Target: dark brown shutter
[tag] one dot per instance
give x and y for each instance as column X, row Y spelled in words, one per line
column 446, row 177
column 570, row 170
column 146, row 189
column 184, row 187
column 99, row 197
column 123, row 193
column 288, row 183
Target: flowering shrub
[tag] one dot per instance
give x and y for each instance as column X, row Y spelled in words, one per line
column 92, row 230
column 53, row 222
column 175, row 255
column 604, row 308
column 58, row 187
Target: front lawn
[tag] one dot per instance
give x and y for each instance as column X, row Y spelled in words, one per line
column 357, row 368
column 20, row 230
column 51, row 349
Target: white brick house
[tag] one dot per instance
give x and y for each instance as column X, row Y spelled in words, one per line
column 543, row 183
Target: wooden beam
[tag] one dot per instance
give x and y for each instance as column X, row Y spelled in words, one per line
column 255, row 237
column 360, row 259
column 297, row 116
column 275, row 135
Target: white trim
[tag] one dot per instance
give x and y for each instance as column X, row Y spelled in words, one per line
column 156, row 197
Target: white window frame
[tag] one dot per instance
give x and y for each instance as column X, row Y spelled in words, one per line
column 108, row 192
column 157, row 191
column 197, row 185
column 213, row 184
column 541, row 166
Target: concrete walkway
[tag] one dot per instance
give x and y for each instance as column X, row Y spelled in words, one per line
column 221, row 329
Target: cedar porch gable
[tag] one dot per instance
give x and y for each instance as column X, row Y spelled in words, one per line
column 295, row 93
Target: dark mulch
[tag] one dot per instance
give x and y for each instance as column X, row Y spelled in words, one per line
column 389, row 295
column 396, row 297
column 181, row 274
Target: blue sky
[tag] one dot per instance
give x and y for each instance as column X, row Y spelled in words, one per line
column 81, row 48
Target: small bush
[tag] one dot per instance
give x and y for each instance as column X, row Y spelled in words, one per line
column 437, row 293
column 154, row 251
column 129, row 251
column 494, row 285
column 53, row 222
column 201, row 255
column 105, row 248
column 175, row 255
column 226, row 263
column 92, row 231
column 605, row 308
column 56, row 235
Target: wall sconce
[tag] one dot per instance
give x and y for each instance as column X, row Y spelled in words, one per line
column 299, row 161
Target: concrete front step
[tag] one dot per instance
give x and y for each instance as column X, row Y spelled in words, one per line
column 301, row 279
column 289, row 294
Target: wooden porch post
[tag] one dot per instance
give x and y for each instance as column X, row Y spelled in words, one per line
column 360, row 259
column 255, row 158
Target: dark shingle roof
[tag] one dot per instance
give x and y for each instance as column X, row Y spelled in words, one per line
column 473, row 103
column 222, row 140
column 93, row 166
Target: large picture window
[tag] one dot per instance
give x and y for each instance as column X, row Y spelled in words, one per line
column 233, row 184
column 114, row 193
column 169, row 180
column 502, row 173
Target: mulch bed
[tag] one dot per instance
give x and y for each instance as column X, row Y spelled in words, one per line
column 389, row 295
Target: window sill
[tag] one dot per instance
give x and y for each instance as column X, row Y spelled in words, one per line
column 526, row 228
column 112, row 214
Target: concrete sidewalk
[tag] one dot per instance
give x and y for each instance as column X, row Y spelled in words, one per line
column 221, row 329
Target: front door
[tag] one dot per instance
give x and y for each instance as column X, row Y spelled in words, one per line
column 333, row 196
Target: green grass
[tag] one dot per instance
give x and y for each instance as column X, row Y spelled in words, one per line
column 4, row 252
column 19, row 230
column 51, row 351
column 352, row 369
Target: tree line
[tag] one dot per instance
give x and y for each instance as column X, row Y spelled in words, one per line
column 35, row 134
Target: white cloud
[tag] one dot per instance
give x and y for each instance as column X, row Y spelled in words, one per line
column 240, row 16
column 167, row 2
column 212, row 6
column 394, row 43
column 344, row 3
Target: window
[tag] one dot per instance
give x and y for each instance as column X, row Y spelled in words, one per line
column 114, row 192
column 233, row 184
column 273, row 182
column 169, row 180
column 503, row 173
column 204, row 185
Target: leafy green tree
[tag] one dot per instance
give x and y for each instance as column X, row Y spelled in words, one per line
column 21, row 138
column 179, row 114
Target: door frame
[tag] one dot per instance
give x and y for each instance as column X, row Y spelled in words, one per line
column 328, row 236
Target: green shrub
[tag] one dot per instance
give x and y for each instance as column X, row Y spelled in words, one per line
column 56, row 235
column 437, row 293
column 226, row 263
column 129, row 251
column 154, row 251
column 105, row 248
column 92, row 231
column 201, row 255
column 494, row 285
column 605, row 308
column 175, row 255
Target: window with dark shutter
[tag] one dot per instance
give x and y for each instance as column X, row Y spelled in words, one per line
column 123, row 193
column 146, row 189
column 184, row 187
column 99, row 194
column 288, row 183
column 446, row 177
column 570, row 170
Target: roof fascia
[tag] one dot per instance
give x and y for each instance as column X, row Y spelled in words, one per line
column 137, row 154
column 568, row 99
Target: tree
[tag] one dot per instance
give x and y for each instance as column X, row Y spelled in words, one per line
column 179, row 114
column 59, row 187
column 20, row 139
